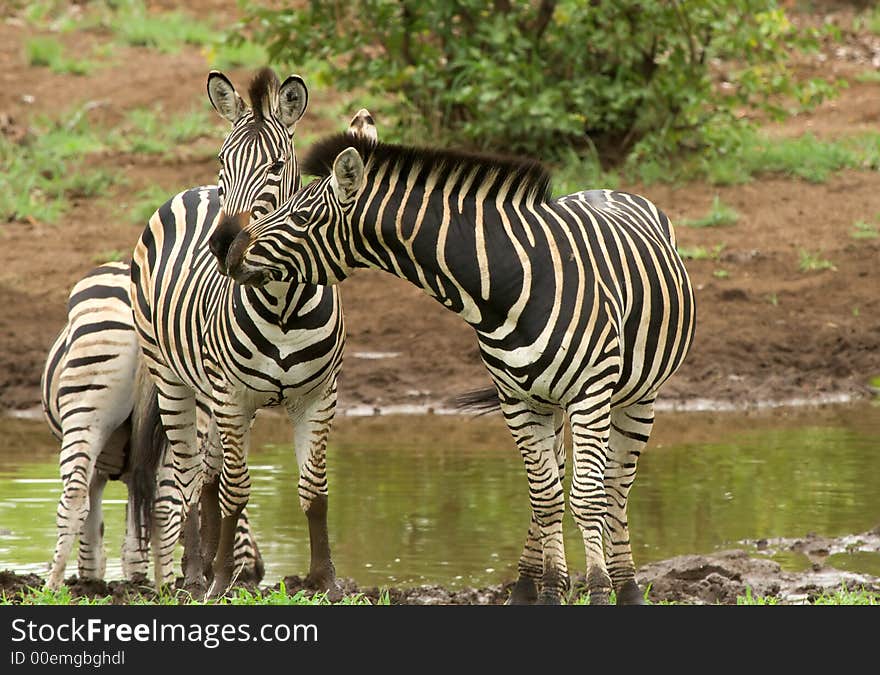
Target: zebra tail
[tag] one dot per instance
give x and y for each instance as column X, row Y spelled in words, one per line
column 148, row 445
column 478, row 402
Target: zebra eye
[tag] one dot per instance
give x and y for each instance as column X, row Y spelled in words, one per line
column 277, row 165
column 299, row 218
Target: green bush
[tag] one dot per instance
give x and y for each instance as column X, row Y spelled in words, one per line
column 542, row 77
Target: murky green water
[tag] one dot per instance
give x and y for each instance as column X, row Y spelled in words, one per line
column 436, row 499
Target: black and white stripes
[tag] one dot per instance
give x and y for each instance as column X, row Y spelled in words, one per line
column 581, row 306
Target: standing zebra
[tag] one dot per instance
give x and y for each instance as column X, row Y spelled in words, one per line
column 91, row 396
column 92, row 373
column 581, row 305
column 217, row 350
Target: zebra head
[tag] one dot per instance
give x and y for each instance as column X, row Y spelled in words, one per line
column 258, row 169
column 307, row 239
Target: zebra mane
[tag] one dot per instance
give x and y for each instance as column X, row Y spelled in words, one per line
column 263, row 87
column 523, row 173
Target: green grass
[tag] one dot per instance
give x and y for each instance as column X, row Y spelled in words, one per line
column 166, row 32
column 720, row 215
column 151, row 131
column 146, row 201
column 222, row 55
column 812, row 262
column 754, row 154
column 868, row 77
column 700, row 252
column 280, row 596
column 39, row 176
column 48, row 52
column 864, row 230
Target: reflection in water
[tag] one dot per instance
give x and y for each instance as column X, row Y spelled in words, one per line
column 443, row 499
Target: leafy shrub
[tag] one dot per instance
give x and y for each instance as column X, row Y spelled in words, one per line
column 540, row 77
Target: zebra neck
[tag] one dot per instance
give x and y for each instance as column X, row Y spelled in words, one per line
column 467, row 252
column 279, row 303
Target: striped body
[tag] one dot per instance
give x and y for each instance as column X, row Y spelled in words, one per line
column 581, row 306
column 89, row 392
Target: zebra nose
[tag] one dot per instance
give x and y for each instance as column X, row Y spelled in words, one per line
column 224, row 234
column 235, row 254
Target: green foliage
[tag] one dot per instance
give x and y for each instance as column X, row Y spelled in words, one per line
column 812, row 262
column 43, row 596
column 48, row 52
column 719, row 215
column 539, row 77
column 145, row 203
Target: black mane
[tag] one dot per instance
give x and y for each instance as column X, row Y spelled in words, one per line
column 263, row 85
column 522, row 172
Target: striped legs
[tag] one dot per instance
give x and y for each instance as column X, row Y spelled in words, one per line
column 135, row 548
column 590, row 425
column 536, row 437
column 179, row 477
column 233, row 425
column 630, row 430
column 312, row 419
column 531, row 562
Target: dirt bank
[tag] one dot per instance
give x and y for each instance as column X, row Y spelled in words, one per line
column 719, row 578
column 766, row 329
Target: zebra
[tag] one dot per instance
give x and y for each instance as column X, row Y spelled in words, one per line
column 96, row 354
column 581, row 305
column 90, row 393
column 220, row 351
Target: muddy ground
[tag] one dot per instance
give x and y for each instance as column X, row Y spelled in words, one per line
column 766, row 330
column 719, row 578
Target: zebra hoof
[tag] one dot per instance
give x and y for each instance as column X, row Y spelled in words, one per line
column 549, row 598
column 525, row 592
column 195, row 587
column 630, row 594
column 322, row 579
column 138, row 578
column 600, row 597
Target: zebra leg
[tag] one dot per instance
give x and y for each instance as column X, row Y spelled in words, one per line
column 78, row 456
column 235, row 487
column 135, row 547
column 535, row 436
column 312, row 420
column 92, row 560
column 196, row 567
column 246, row 552
column 531, row 563
column 630, row 429
column 180, row 475
column 590, row 424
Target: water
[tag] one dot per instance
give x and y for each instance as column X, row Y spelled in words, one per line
column 443, row 499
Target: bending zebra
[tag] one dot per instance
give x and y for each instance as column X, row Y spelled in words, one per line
column 90, row 394
column 218, row 350
column 581, row 305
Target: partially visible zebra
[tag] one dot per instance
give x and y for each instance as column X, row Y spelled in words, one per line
column 89, row 390
column 217, row 350
column 581, row 305
column 94, row 360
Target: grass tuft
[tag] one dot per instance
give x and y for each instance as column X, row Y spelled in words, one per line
column 49, row 53
column 720, row 215
column 812, row 262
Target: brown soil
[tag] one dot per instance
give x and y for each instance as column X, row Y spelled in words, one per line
column 719, row 578
column 765, row 331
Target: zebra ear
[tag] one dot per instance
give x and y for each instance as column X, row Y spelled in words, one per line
column 348, row 175
column 362, row 125
column 224, row 98
column 293, row 97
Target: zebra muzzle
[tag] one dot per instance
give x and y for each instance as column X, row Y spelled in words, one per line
column 221, row 240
